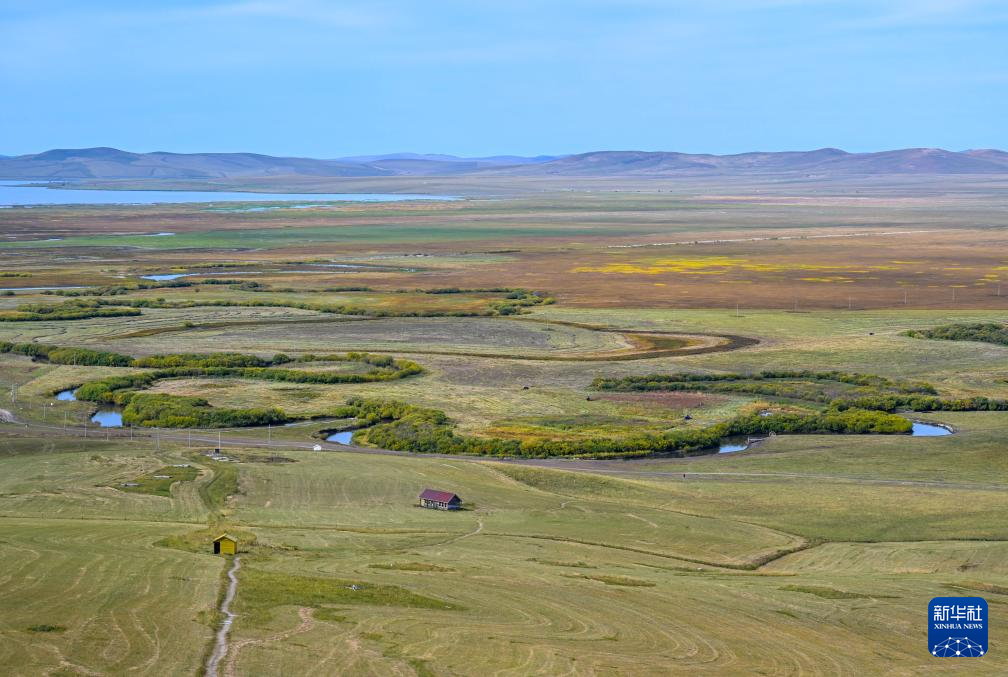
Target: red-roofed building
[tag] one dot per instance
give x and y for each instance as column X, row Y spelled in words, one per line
column 440, row 500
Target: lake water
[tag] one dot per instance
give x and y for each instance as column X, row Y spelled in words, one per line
column 162, row 277
column 108, row 419
column 341, row 438
column 15, row 193
column 66, row 396
column 929, row 430
column 166, row 276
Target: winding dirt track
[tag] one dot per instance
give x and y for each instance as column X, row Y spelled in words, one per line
column 645, row 344
column 221, row 643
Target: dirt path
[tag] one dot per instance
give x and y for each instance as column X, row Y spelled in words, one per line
column 221, row 643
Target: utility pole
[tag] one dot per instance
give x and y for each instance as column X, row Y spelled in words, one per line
column 850, row 303
column 218, row 440
column 736, row 309
column 65, row 420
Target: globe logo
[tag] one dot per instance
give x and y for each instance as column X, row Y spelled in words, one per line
column 957, row 646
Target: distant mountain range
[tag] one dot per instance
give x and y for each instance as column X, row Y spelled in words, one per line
column 110, row 163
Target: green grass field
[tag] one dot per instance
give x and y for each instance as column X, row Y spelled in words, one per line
column 552, row 570
column 804, row 555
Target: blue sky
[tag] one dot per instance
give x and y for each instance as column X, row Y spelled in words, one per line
column 325, row 79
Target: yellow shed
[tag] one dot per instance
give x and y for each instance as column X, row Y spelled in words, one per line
column 225, row 545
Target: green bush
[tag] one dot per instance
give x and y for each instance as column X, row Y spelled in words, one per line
column 68, row 310
column 404, row 427
column 170, row 411
column 985, row 332
column 173, row 411
column 57, row 355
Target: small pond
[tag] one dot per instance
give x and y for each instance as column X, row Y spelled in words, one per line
column 929, row 430
column 162, row 277
column 732, row 444
column 66, row 396
column 341, row 438
column 108, row 419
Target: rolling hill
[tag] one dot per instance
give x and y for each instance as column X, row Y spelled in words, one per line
column 826, row 161
column 111, row 163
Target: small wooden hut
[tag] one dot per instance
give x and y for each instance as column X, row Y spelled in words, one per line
column 225, row 545
column 440, row 500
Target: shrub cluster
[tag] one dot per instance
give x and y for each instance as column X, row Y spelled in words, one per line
column 202, row 360
column 875, row 393
column 985, row 332
column 684, row 381
column 513, row 303
column 173, row 411
column 404, row 427
column 919, row 403
column 68, row 310
column 76, row 356
column 197, row 412
column 333, row 308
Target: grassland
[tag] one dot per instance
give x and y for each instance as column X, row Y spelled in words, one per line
column 553, row 570
column 807, row 554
